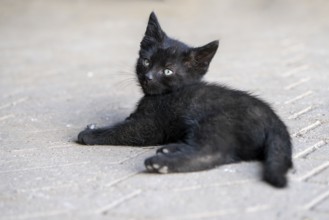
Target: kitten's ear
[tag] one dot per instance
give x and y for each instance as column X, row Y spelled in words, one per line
column 199, row 58
column 204, row 54
column 153, row 29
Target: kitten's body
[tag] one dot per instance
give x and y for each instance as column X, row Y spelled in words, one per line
column 205, row 125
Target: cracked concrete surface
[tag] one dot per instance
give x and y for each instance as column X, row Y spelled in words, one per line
column 66, row 64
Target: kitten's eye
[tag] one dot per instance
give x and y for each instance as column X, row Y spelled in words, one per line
column 167, row 72
column 146, row 62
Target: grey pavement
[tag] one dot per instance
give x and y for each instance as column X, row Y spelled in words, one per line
column 65, row 64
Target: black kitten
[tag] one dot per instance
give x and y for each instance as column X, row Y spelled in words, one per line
column 204, row 125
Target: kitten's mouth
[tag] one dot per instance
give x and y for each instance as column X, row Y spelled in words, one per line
column 150, row 88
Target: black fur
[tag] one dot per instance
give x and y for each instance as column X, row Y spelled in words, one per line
column 202, row 125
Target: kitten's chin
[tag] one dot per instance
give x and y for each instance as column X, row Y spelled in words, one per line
column 153, row 88
column 150, row 90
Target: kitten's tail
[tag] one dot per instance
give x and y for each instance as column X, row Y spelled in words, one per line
column 278, row 159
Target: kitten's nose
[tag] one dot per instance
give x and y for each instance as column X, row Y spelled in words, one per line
column 149, row 76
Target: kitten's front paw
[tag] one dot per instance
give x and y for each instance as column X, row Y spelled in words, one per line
column 157, row 164
column 91, row 126
column 86, row 136
column 83, row 137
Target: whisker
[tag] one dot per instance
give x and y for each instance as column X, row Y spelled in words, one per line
column 127, row 72
column 125, row 82
column 121, row 73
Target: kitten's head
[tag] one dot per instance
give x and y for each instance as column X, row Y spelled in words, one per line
column 164, row 64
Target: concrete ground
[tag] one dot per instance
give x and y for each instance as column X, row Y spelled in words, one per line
column 65, row 64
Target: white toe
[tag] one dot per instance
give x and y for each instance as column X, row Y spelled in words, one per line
column 156, row 166
column 163, row 169
column 91, row 126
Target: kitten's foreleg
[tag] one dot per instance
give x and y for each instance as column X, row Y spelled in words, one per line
column 131, row 132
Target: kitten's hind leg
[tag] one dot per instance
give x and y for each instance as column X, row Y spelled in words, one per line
column 203, row 149
column 185, row 159
column 172, row 148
